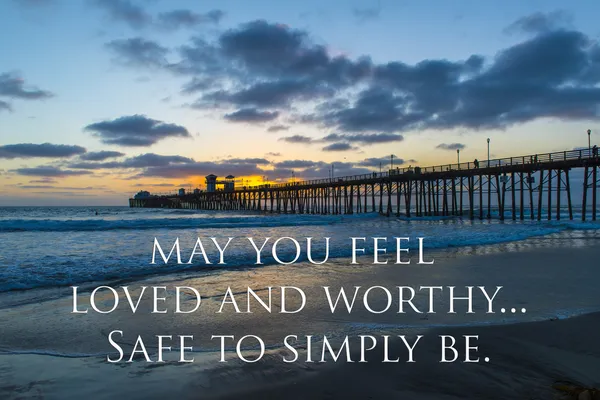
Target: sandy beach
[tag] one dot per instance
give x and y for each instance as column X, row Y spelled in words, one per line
column 49, row 352
column 527, row 361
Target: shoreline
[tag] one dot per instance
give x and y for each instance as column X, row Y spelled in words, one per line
column 527, row 360
column 551, row 276
column 532, row 243
column 532, row 360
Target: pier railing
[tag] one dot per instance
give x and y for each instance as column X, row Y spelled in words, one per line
column 523, row 183
column 576, row 154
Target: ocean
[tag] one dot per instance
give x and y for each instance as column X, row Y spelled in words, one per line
column 44, row 247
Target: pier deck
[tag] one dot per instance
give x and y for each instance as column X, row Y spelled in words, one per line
column 534, row 187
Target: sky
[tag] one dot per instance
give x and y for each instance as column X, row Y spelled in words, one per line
column 102, row 98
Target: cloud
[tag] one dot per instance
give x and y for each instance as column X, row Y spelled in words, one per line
column 176, row 19
column 43, row 180
column 48, row 171
column 297, row 139
column 139, row 52
column 135, row 130
column 367, row 14
column 56, row 187
column 292, row 164
column 251, row 115
column 125, row 11
column 155, row 185
column 278, row 128
column 47, row 150
column 450, row 146
column 365, row 139
column 260, row 64
column 272, row 154
column 277, row 94
column 13, row 86
column 174, row 166
column 5, row 106
column 140, row 161
column 541, row 22
column 554, row 73
column 375, row 162
column 204, row 168
column 101, row 155
column 257, row 161
column 340, row 146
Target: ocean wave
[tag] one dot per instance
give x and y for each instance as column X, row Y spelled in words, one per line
column 55, row 225
column 96, row 250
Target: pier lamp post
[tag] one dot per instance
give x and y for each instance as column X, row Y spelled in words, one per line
column 332, row 171
column 458, row 157
column 392, row 163
column 589, row 140
column 489, row 194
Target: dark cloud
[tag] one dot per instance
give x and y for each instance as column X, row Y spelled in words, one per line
column 317, row 170
column 5, row 106
column 367, row 14
column 43, row 180
column 135, row 130
column 276, row 94
column 196, row 169
column 551, row 75
column 278, row 128
column 101, row 155
column 251, row 115
column 274, row 154
column 365, row 139
column 125, row 11
column 155, row 185
column 375, row 162
column 292, row 164
column 297, row 139
column 13, row 86
column 375, row 109
column 269, row 50
column 139, row 51
column 173, row 166
column 48, row 171
column 260, row 65
column 140, row 161
column 450, row 146
column 541, row 22
column 340, row 146
column 256, row 161
column 154, row 160
column 176, row 19
column 56, row 187
column 48, row 150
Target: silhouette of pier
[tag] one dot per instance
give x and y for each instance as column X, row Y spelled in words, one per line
column 532, row 187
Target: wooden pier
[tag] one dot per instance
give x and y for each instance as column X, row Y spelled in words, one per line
column 531, row 187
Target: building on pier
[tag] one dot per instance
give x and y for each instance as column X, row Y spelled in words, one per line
column 212, row 183
column 142, row 194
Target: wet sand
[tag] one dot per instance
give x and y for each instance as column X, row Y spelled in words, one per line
column 526, row 361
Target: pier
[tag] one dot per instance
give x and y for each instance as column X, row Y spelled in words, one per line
column 531, row 187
